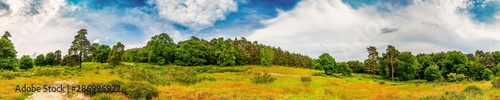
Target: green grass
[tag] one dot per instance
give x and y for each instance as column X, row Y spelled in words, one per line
column 235, row 82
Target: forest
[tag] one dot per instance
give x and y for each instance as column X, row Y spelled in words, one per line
column 161, row 50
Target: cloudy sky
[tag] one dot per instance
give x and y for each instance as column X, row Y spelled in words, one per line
column 343, row 28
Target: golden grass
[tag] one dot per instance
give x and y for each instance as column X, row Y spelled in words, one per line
column 237, row 85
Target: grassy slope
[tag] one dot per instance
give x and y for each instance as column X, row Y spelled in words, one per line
column 237, row 85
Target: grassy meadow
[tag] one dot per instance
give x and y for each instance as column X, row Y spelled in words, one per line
column 235, row 82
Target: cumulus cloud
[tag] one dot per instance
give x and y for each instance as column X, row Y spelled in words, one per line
column 330, row 26
column 44, row 26
column 196, row 14
column 36, row 25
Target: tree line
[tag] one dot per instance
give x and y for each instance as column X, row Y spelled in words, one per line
column 218, row 51
column 442, row 66
column 162, row 50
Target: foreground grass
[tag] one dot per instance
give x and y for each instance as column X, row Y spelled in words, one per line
column 237, row 85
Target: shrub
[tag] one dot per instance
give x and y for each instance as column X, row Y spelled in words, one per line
column 318, row 74
column 451, row 95
column 487, row 74
column 453, row 77
column 47, row 72
column 305, row 80
column 186, row 76
column 115, row 82
column 381, row 83
column 473, row 89
column 106, row 96
column 138, row 90
column 265, row 78
column 469, row 93
column 8, row 75
column 153, row 76
column 496, row 83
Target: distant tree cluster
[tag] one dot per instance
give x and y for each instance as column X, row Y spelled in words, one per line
column 449, row 66
column 219, row 51
column 82, row 51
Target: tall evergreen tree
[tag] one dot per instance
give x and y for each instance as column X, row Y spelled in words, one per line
column 80, row 46
column 392, row 55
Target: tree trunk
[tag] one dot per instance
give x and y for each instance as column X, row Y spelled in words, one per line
column 392, row 68
column 80, row 56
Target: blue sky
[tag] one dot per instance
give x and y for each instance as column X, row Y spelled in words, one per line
column 343, row 28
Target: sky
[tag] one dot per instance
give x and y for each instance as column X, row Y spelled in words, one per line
column 342, row 28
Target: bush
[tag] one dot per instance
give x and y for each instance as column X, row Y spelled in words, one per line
column 187, row 76
column 138, row 90
column 153, row 76
column 487, row 74
column 305, row 80
column 473, row 89
column 381, row 83
column 318, row 74
column 115, row 82
column 8, row 75
column 47, row 72
column 469, row 93
column 453, row 77
column 496, row 83
column 106, row 96
column 265, row 78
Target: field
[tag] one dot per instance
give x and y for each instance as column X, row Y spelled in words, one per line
column 229, row 83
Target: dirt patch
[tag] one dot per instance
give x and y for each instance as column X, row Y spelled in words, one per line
column 59, row 96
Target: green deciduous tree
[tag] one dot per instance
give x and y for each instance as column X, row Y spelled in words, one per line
column 7, row 52
column 343, row 68
column 80, row 46
column 26, row 62
column 115, row 56
column 40, row 60
column 475, row 70
column 408, row 66
column 102, row 53
column 327, row 63
column 356, row 66
column 487, row 74
column 496, row 70
column 266, row 56
column 191, row 53
column 432, row 73
column 161, row 49
column 453, row 61
column 225, row 54
column 92, row 52
column 50, row 58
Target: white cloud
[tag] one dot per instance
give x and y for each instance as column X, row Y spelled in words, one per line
column 195, row 14
column 96, row 41
column 314, row 27
column 36, row 25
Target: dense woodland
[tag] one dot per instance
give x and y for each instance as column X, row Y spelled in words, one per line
column 162, row 50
